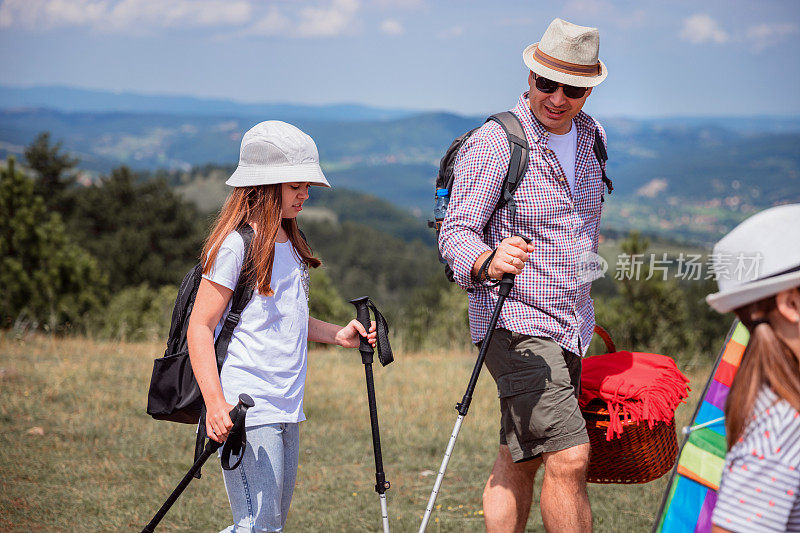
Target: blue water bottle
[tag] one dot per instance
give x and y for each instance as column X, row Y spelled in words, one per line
column 440, row 207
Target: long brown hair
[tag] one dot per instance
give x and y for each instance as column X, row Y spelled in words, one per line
column 767, row 361
column 261, row 205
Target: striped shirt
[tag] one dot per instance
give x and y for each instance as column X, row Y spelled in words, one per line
column 548, row 299
column 760, row 483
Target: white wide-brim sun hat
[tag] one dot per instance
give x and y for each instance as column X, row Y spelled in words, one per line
column 277, row 152
column 759, row 258
column 567, row 54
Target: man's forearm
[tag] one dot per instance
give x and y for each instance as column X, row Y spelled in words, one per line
column 476, row 268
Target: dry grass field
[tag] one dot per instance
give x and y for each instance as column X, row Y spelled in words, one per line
column 79, row 453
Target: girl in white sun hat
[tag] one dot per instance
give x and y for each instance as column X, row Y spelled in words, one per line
column 758, row 272
column 266, row 357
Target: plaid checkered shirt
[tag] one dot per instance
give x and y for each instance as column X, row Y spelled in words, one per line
column 548, row 299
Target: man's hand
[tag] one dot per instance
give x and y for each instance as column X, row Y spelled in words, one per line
column 510, row 258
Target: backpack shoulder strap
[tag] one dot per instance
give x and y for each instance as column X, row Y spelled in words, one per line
column 602, row 156
column 518, row 162
column 176, row 341
column 241, row 295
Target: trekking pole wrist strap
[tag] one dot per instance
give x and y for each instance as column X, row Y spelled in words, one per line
column 483, row 272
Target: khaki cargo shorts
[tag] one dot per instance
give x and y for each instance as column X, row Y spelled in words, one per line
column 538, row 383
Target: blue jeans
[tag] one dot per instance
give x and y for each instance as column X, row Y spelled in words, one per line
column 260, row 489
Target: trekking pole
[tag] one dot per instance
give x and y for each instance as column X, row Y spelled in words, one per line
column 463, row 406
column 237, row 414
column 362, row 315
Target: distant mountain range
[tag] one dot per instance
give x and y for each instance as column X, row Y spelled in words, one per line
column 686, row 177
column 85, row 100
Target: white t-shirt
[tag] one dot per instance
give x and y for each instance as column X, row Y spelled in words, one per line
column 566, row 147
column 268, row 350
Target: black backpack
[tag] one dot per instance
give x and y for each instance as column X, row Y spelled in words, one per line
column 517, row 166
column 174, row 394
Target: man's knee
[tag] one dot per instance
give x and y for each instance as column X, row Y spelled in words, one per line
column 506, row 471
column 570, row 463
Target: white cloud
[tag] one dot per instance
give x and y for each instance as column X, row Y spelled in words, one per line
column 392, row 27
column 272, row 23
column 46, row 14
column 335, row 18
column 765, row 35
column 329, row 21
column 321, row 18
column 402, row 4
column 126, row 15
column 700, row 28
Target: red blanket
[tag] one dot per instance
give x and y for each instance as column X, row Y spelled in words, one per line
column 638, row 386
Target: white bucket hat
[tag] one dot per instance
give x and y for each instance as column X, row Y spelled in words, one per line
column 771, row 241
column 568, row 54
column 276, row 152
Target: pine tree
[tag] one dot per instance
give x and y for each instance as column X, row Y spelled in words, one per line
column 47, row 280
column 53, row 169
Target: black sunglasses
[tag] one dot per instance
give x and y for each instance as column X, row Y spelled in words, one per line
column 548, row 86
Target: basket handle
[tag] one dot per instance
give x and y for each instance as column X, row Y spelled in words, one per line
column 603, row 334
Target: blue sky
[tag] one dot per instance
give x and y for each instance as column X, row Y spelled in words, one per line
column 664, row 58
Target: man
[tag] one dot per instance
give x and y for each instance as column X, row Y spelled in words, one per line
column 547, row 321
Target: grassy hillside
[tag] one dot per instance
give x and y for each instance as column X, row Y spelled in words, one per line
column 78, row 452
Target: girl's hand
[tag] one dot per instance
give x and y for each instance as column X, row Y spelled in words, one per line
column 349, row 336
column 218, row 421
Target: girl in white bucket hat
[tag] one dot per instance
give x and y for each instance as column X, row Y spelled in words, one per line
column 758, row 273
column 266, row 357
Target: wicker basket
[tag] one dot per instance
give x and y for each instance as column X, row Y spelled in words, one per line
column 639, row 455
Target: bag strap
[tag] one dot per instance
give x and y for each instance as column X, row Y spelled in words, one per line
column 181, row 310
column 518, row 161
column 241, row 296
column 602, row 156
column 385, row 355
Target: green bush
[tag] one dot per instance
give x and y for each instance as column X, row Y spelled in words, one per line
column 138, row 313
column 435, row 317
column 324, row 301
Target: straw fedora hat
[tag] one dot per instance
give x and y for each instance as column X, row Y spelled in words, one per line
column 277, row 152
column 568, row 54
column 759, row 258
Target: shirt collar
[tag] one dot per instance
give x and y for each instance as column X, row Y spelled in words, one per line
column 583, row 122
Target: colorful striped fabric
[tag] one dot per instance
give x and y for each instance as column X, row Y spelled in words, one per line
column 692, row 492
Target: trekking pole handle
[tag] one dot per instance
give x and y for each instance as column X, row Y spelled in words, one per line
column 507, row 283
column 362, row 315
column 240, row 410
